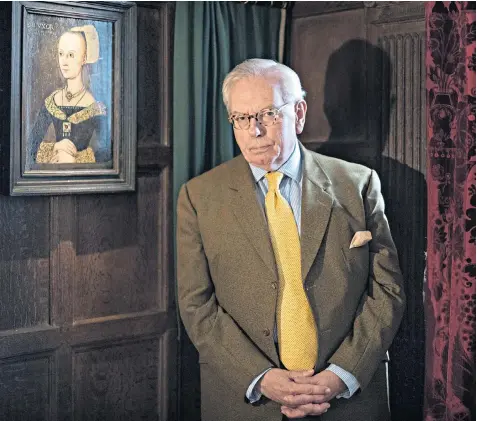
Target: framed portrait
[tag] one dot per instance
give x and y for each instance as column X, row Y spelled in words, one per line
column 73, row 98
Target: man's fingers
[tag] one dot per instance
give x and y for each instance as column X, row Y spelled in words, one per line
column 304, row 410
column 297, row 374
column 293, row 412
column 298, row 400
column 306, row 380
column 309, row 389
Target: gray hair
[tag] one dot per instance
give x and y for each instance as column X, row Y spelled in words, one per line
column 287, row 79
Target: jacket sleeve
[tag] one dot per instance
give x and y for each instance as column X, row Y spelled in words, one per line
column 382, row 305
column 220, row 341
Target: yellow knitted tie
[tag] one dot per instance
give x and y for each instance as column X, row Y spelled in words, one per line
column 297, row 338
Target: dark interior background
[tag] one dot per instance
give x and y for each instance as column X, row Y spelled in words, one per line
column 88, row 327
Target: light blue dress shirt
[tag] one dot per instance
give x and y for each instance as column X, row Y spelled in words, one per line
column 290, row 188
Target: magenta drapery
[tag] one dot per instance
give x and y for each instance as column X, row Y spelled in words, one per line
column 450, row 291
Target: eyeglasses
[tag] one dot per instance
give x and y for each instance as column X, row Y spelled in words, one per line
column 266, row 117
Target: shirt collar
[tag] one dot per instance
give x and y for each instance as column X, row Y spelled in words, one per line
column 291, row 167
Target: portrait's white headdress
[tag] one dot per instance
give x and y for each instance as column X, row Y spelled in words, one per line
column 92, row 42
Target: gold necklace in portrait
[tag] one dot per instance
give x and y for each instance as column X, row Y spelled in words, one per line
column 69, row 97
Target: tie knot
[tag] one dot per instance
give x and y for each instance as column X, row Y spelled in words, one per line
column 274, row 179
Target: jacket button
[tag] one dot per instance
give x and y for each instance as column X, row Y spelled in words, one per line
column 266, row 332
column 274, row 285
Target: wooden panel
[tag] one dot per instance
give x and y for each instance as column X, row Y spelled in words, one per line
column 117, row 269
column 303, row 9
column 88, row 326
column 374, row 97
column 404, row 188
column 117, row 382
column 166, row 254
column 153, row 72
column 25, row 389
column 406, row 137
column 5, row 89
column 310, row 55
column 29, row 341
column 399, row 31
column 24, row 262
column 62, row 258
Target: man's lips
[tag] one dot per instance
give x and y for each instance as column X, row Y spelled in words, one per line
column 260, row 149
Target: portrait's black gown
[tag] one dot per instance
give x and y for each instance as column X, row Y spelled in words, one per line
column 77, row 124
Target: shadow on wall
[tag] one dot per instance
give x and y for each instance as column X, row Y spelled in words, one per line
column 358, row 105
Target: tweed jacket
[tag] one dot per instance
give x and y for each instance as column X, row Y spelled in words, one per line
column 228, row 284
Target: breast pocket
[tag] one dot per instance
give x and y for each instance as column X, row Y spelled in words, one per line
column 356, row 259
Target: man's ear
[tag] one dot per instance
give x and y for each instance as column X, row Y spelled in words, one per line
column 300, row 115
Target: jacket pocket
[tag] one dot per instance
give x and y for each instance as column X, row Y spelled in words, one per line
column 356, row 259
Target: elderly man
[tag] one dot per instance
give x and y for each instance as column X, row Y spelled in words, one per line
column 288, row 280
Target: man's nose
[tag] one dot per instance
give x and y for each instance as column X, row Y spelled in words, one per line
column 255, row 129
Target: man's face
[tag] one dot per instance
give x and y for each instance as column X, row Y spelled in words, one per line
column 267, row 147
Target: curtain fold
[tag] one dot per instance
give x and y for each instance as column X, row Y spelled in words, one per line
column 450, row 294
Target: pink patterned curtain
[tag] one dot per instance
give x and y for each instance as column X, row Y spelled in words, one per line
column 450, row 292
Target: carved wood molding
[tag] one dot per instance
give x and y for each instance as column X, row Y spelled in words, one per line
column 107, row 330
column 29, row 341
column 153, row 157
column 403, row 169
column 154, row 110
column 407, row 135
column 306, row 9
column 398, row 12
column 168, row 382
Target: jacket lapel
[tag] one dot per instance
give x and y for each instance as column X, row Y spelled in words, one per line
column 315, row 209
column 248, row 212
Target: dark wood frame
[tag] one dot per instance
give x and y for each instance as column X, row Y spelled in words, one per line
column 123, row 130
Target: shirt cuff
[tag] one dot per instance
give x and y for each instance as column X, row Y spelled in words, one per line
column 252, row 394
column 349, row 380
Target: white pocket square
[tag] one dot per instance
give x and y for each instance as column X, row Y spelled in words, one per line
column 360, row 238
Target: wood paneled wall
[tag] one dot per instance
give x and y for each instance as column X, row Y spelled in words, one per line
column 87, row 315
column 362, row 64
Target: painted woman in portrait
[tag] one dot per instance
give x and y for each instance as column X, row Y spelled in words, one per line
column 78, row 121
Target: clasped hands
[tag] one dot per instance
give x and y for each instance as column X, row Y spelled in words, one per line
column 300, row 392
column 64, row 152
